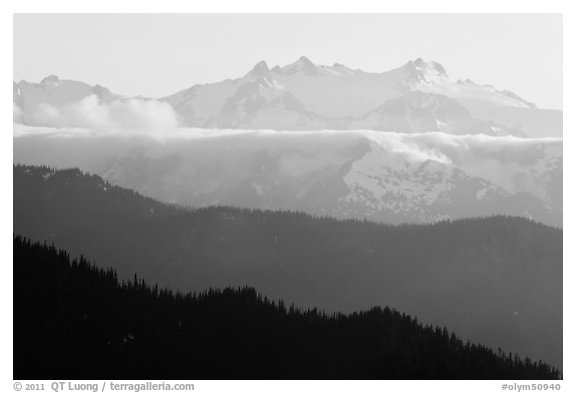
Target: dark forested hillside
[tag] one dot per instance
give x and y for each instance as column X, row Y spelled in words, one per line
column 495, row 280
column 75, row 321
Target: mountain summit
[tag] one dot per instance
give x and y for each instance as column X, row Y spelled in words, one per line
column 419, row 71
column 303, row 65
column 260, row 69
column 260, row 73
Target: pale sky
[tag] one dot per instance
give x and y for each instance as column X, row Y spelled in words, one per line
column 155, row 55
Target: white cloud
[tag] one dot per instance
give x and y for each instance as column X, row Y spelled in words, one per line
column 133, row 115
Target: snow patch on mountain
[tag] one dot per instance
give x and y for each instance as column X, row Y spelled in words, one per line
column 379, row 181
column 419, row 71
column 468, row 90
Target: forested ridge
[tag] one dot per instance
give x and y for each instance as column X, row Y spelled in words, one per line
column 494, row 280
column 73, row 320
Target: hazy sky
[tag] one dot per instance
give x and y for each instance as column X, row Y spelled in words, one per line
column 158, row 54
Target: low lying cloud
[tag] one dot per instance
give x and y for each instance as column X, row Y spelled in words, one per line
column 135, row 114
column 464, row 149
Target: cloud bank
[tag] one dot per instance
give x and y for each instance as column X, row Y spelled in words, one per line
column 122, row 115
column 152, row 118
column 298, row 153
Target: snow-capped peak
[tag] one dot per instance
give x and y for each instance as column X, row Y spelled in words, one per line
column 261, row 68
column 302, row 65
column 262, row 73
column 418, row 71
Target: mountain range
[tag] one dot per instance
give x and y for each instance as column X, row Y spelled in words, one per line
column 416, row 97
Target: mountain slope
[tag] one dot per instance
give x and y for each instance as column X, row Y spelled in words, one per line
column 65, row 327
column 496, row 281
column 419, row 112
column 74, row 321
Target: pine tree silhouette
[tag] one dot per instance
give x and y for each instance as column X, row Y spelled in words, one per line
column 73, row 320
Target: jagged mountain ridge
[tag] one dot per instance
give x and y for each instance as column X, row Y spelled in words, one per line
column 307, row 96
column 335, row 97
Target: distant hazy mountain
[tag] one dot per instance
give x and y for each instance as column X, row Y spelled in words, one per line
column 33, row 101
column 416, row 97
column 381, row 176
column 63, row 103
column 496, row 281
